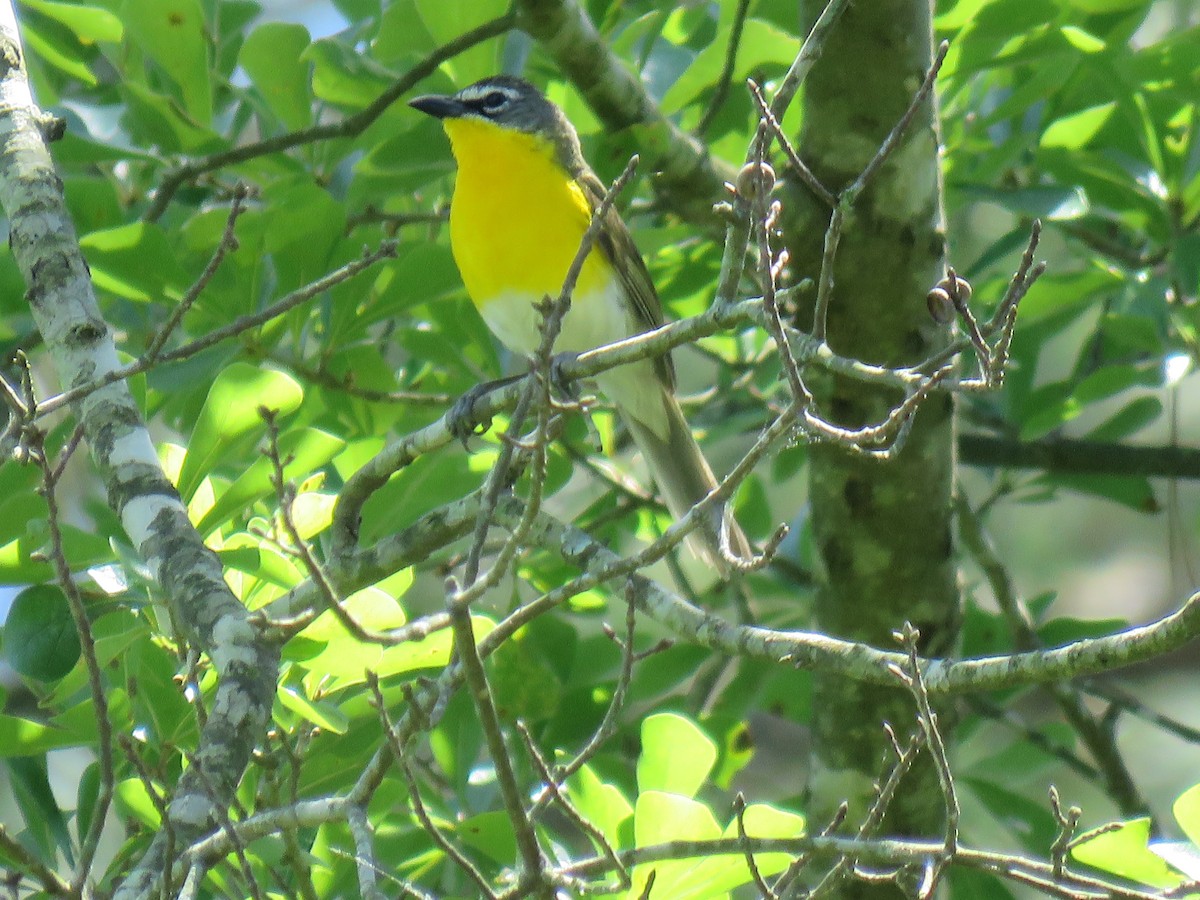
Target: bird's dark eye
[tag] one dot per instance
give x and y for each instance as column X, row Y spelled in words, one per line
column 493, row 102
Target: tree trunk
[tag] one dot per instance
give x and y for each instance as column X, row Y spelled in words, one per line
column 883, row 530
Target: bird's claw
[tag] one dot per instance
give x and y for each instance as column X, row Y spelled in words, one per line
column 462, row 420
column 560, row 383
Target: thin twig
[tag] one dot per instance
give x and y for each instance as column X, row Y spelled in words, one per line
column 226, row 824
column 810, row 52
column 608, row 724
column 87, row 645
column 467, row 651
column 727, row 70
column 364, row 853
column 884, row 794
column 50, row 881
column 66, row 453
column 243, row 323
column 776, row 131
column 833, row 236
column 914, row 679
column 414, row 793
column 286, row 495
column 739, row 812
column 345, row 384
column 550, row 780
column 765, row 216
column 896, row 135
column 370, row 214
column 1003, row 320
column 227, row 244
column 145, row 776
column 355, row 124
column 499, row 478
column 1068, row 823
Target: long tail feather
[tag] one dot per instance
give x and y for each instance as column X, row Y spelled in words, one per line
column 684, row 478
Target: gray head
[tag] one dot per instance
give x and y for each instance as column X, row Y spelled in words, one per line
column 513, row 103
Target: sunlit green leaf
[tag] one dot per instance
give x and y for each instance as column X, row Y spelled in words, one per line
column 1075, row 130
column 90, row 23
column 676, row 755
column 134, row 261
column 1122, row 850
column 271, row 57
column 319, row 712
column 172, row 33
column 1187, row 813
column 231, row 413
column 302, row 451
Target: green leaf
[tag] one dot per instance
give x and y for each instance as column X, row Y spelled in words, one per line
column 30, row 784
column 112, row 634
column 1122, row 850
column 303, row 450
column 155, row 118
column 1048, row 202
column 257, row 571
column 490, row 833
column 86, row 796
column 1101, row 7
column 447, row 19
column 173, row 34
column 1131, row 418
column 427, row 483
column 661, row 817
column 1071, row 132
column 1027, row 821
column 50, row 47
column 271, row 57
column 1181, row 855
column 401, row 32
column 1187, row 813
column 312, row 512
column 762, row 45
column 133, row 799
column 959, row 15
column 319, row 712
column 90, row 24
column 344, row 660
column 1082, row 40
column 24, row 737
column 1135, row 492
column 343, row 76
column 600, row 803
column 676, row 755
column 231, row 416
column 134, row 261
column 40, row 640
column 712, row 876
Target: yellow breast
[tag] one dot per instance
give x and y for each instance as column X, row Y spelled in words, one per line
column 517, row 219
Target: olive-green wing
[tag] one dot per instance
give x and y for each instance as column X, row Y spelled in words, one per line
column 617, row 245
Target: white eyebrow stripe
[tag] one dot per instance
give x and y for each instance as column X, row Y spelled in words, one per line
column 479, row 91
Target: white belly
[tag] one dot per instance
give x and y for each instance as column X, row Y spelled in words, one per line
column 592, row 321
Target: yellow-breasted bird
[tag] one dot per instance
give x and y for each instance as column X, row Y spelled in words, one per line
column 523, row 199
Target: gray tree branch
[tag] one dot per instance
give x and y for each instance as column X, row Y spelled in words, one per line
column 81, row 346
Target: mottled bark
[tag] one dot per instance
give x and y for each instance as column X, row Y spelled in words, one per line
column 188, row 574
column 883, row 531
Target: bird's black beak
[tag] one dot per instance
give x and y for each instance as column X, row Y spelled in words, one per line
column 438, row 106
